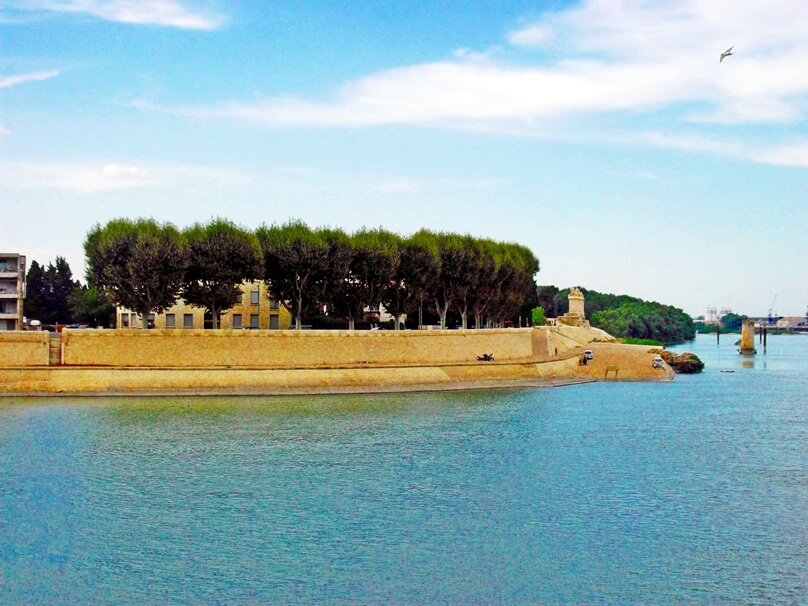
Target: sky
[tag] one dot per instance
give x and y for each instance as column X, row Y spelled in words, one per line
column 605, row 135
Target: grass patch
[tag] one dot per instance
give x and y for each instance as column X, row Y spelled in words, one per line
column 631, row 341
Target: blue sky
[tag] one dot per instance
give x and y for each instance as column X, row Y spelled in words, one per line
column 603, row 134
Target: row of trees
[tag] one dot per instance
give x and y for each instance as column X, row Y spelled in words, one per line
column 145, row 266
column 53, row 297
column 623, row 316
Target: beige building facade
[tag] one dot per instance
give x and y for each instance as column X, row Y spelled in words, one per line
column 12, row 290
column 257, row 310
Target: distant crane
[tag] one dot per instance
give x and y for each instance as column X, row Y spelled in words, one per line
column 774, row 302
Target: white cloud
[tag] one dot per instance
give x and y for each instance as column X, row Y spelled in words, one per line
column 604, row 57
column 166, row 13
column 787, row 155
column 88, row 177
column 7, row 81
column 80, row 178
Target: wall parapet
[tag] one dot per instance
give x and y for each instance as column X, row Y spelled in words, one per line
column 171, row 348
column 22, row 348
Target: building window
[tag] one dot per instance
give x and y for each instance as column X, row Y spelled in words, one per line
column 253, row 297
column 274, row 321
column 237, row 320
column 171, row 321
column 253, row 320
column 188, row 321
column 125, row 320
column 274, row 304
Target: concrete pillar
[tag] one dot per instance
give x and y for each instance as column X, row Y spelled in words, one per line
column 748, row 338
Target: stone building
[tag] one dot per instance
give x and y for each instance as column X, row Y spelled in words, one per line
column 12, row 291
column 257, row 310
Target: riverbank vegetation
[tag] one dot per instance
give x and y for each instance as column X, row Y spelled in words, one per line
column 146, row 266
column 623, row 316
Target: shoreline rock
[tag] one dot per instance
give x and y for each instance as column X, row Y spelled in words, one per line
column 683, row 363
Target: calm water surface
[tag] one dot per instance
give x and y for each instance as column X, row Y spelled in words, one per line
column 689, row 492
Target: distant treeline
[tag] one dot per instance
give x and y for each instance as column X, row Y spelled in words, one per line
column 623, row 316
column 729, row 323
column 146, row 266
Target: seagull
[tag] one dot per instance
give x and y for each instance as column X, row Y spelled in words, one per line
column 726, row 53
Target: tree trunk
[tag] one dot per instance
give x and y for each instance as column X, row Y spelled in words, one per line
column 398, row 322
column 215, row 318
column 350, row 324
column 442, row 311
column 144, row 320
column 299, row 315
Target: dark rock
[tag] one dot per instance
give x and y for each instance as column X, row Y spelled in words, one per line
column 685, row 363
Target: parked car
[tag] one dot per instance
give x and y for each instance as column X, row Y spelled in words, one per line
column 588, row 355
column 658, row 362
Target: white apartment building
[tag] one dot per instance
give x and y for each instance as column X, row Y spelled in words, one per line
column 12, row 290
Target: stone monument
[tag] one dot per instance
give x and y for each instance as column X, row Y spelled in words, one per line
column 575, row 316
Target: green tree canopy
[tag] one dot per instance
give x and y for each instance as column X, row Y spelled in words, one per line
column 140, row 264
column 418, row 269
column 48, row 292
column 373, row 265
column 295, row 259
column 92, row 306
column 646, row 320
column 221, row 256
column 34, row 304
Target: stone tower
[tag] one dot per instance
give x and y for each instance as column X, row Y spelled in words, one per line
column 575, row 316
column 576, row 300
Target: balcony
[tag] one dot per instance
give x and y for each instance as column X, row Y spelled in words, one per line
column 8, row 271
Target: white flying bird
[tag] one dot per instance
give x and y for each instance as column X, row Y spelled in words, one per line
column 726, row 53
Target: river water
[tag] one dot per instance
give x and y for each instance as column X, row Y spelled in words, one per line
column 687, row 492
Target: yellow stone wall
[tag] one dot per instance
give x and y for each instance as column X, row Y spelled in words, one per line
column 19, row 348
column 290, row 348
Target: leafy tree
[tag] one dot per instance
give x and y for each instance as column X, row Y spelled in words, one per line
column 646, row 320
column 61, row 285
column 546, row 296
column 92, row 306
column 488, row 284
column 48, row 292
column 537, row 316
column 373, row 265
column 732, row 322
column 418, row 268
column 335, row 288
column 140, row 264
column 466, row 260
column 517, row 279
column 221, row 256
column 35, row 305
column 295, row 258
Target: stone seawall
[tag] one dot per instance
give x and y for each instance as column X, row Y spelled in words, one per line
column 210, row 363
column 289, row 348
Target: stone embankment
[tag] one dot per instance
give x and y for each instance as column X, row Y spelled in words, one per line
column 89, row 362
